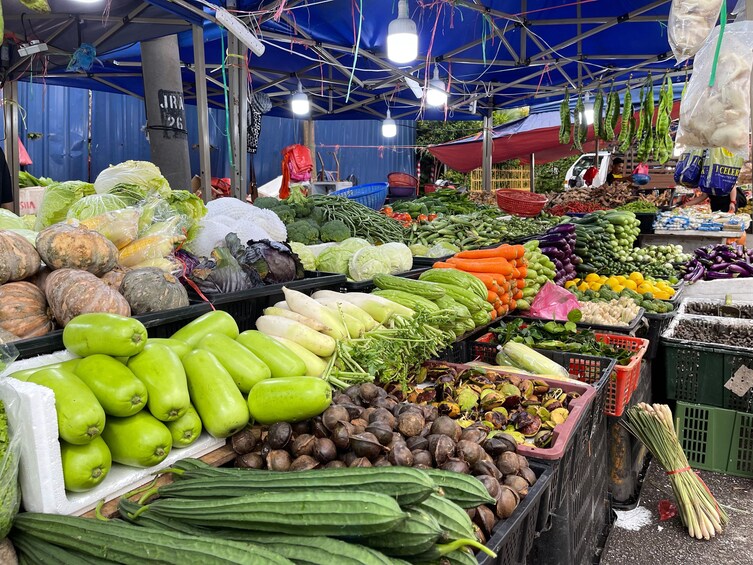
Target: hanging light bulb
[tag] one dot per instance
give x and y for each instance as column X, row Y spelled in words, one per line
column 389, row 127
column 299, row 102
column 436, row 95
column 402, row 37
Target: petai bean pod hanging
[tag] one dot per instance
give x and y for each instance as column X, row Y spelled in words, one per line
column 565, row 125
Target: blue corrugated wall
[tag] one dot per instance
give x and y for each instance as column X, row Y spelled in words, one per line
column 61, row 116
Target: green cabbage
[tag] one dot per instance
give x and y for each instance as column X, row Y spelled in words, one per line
column 29, row 221
column 398, row 255
column 305, row 255
column 9, row 221
column 131, row 193
column 190, row 206
column 143, row 174
column 369, row 261
column 57, row 199
column 442, row 249
column 95, row 205
column 334, row 260
column 419, row 249
column 353, row 244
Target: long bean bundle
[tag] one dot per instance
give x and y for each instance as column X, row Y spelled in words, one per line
column 362, row 221
column 699, row 511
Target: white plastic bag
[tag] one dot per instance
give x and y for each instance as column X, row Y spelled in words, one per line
column 719, row 115
column 690, row 23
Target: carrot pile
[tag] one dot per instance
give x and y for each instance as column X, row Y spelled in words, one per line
column 502, row 269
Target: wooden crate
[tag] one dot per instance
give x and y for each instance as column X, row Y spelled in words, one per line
column 515, row 178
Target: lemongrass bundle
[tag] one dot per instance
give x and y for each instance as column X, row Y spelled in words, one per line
column 699, row 511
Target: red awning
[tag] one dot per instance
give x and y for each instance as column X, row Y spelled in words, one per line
column 537, row 134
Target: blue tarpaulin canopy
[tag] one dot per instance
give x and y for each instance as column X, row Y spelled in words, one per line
column 489, row 52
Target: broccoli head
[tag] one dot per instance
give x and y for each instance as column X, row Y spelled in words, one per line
column 318, row 215
column 285, row 213
column 267, row 202
column 335, row 230
column 304, row 232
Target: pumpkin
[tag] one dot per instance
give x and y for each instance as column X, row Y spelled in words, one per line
column 151, row 289
column 114, row 278
column 71, row 292
column 18, row 258
column 40, row 279
column 23, row 310
column 63, row 246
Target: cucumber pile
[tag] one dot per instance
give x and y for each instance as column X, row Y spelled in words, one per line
column 224, row 515
column 604, row 241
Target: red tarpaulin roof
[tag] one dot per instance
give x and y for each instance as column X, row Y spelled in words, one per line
column 537, row 134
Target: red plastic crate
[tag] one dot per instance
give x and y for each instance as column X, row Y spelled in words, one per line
column 627, row 375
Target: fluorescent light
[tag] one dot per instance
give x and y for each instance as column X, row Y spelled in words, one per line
column 299, row 102
column 436, row 95
column 389, row 127
column 402, row 36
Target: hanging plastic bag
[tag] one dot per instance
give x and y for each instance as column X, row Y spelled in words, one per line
column 690, row 23
column 10, row 452
column 688, row 168
column 720, row 171
column 553, row 303
column 641, row 169
column 719, row 115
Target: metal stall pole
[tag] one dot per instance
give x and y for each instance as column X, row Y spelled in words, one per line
column 532, row 173
column 202, row 108
column 10, row 115
column 487, row 149
column 165, row 113
column 238, row 84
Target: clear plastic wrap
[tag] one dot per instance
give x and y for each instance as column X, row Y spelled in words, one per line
column 690, row 24
column 719, row 115
column 119, row 226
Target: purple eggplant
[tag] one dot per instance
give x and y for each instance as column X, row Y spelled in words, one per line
column 720, row 266
column 738, row 269
column 712, row 275
column 746, row 267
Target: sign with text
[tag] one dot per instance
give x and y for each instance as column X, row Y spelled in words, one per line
column 172, row 114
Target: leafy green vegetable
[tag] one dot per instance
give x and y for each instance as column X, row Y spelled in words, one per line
column 95, row 205
column 370, row 261
column 188, row 205
column 130, row 193
column 353, row 244
column 305, row 255
column 335, row 259
column 267, row 202
column 143, row 174
column 26, row 180
column 58, row 198
column 9, row 221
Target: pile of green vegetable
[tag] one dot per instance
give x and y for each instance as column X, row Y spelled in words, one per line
column 474, row 230
column 322, row 219
column 10, row 493
column 561, row 337
column 604, row 241
column 357, row 258
column 221, row 516
column 443, row 201
column 540, row 270
column 605, row 294
column 639, row 207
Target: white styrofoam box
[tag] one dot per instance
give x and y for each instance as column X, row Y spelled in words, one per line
column 737, row 289
column 31, row 412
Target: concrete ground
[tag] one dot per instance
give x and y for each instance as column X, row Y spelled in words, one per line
column 639, row 537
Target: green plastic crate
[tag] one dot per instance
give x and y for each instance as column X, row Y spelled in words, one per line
column 716, row 439
column 696, row 374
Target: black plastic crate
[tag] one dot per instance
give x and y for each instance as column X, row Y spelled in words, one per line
column 512, row 539
column 158, row 324
column 647, row 220
column 577, row 526
column 428, row 261
column 247, row 305
column 651, row 329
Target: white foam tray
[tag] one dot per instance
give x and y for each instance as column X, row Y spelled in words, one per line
column 31, row 412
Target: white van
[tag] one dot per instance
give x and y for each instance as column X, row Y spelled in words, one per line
column 574, row 175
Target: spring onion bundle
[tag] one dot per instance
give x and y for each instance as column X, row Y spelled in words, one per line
column 700, row 513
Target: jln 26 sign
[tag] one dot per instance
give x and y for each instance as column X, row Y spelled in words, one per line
column 172, row 113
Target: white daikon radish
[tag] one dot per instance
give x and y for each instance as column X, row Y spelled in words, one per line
column 307, row 306
column 353, row 325
column 377, row 307
column 305, row 320
column 350, row 309
column 277, row 326
column 315, row 365
column 282, row 305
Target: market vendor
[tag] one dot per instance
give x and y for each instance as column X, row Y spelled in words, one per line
column 616, row 171
column 719, row 202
